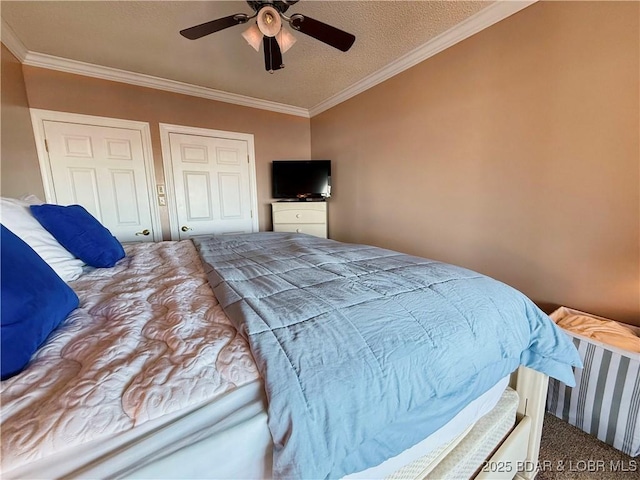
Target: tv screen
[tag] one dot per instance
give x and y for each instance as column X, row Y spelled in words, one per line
column 301, row 179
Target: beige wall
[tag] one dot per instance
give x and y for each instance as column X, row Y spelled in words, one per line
column 276, row 136
column 19, row 170
column 515, row 153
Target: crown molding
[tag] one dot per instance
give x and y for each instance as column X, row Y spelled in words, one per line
column 51, row 62
column 483, row 19
column 12, row 42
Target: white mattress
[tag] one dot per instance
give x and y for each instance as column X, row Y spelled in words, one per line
column 452, row 432
column 149, row 379
column 465, row 458
column 149, row 342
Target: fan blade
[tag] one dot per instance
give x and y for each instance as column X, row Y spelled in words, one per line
column 321, row 31
column 199, row 31
column 272, row 54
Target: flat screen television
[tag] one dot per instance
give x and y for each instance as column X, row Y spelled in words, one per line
column 301, row 179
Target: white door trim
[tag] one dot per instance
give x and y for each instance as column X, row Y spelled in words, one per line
column 39, row 116
column 166, row 129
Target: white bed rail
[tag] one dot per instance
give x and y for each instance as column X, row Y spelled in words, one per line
column 517, row 456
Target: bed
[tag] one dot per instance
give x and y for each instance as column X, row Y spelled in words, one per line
column 168, row 369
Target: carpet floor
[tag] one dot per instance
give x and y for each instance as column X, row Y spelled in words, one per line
column 568, row 453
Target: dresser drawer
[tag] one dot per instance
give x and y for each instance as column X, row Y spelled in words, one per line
column 315, row 229
column 290, row 214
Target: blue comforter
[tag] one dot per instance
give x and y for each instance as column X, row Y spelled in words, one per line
column 366, row 351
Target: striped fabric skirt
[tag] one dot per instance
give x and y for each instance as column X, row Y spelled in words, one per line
column 606, row 399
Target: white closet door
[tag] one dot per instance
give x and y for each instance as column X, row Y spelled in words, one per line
column 212, row 184
column 102, row 169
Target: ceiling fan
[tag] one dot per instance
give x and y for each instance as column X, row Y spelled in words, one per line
column 270, row 32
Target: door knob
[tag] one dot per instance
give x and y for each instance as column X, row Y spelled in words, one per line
column 144, row 232
column 185, row 228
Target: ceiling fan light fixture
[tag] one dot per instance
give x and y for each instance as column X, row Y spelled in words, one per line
column 285, row 40
column 270, row 31
column 269, row 21
column 253, row 36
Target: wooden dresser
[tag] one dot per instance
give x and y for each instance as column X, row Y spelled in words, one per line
column 300, row 217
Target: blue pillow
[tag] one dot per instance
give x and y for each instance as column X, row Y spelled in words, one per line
column 33, row 302
column 80, row 233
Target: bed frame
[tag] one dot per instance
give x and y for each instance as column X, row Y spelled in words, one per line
column 517, row 455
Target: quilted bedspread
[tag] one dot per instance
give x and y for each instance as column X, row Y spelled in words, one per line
column 366, row 351
column 148, row 339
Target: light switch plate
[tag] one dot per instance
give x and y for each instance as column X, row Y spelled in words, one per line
column 160, row 189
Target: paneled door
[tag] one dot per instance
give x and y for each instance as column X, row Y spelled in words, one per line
column 103, row 169
column 212, row 184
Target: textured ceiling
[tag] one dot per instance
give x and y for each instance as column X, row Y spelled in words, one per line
column 143, row 37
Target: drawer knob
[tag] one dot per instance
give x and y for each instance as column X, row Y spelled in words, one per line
column 298, row 215
column 298, row 230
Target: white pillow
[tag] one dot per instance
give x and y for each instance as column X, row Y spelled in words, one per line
column 31, row 199
column 16, row 216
